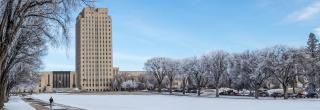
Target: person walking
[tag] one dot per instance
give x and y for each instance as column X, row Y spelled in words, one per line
column 51, row 101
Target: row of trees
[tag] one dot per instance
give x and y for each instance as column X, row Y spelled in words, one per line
column 125, row 81
column 161, row 68
column 26, row 27
column 246, row 70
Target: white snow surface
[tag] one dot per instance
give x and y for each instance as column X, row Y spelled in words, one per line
column 16, row 103
column 166, row 102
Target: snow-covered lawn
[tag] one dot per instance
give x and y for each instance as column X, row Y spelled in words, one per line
column 164, row 102
column 15, row 103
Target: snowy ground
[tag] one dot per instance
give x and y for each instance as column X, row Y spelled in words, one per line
column 165, row 102
column 15, row 103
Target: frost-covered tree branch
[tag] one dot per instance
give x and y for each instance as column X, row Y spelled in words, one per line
column 46, row 20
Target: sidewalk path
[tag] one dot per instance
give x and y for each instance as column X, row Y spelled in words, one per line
column 42, row 105
column 16, row 103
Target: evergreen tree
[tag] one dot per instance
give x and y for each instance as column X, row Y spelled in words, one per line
column 312, row 51
column 312, row 45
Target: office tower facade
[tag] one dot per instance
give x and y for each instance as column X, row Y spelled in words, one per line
column 94, row 67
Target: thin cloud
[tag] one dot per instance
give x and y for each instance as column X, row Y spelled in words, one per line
column 317, row 30
column 59, row 67
column 62, row 51
column 306, row 13
column 129, row 57
column 152, row 33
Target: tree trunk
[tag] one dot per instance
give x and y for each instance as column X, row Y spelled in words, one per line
column 170, row 87
column 217, row 91
column 199, row 91
column 159, row 88
column 2, row 94
column 6, row 97
column 9, row 87
column 183, row 91
column 293, row 84
column 285, row 91
column 312, row 85
column 294, row 89
column 184, row 85
column 256, row 93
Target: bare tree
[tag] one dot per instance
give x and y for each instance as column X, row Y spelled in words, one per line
column 184, row 76
column 26, row 58
column 255, row 66
column 172, row 69
column 150, row 81
column 157, row 67
column 284, row 65
column 24, row 75
column 216, row 64
column 184, row 83
column 142, row 81
column 239, row 80
column 117, row 80
column 195, row 68
column 46, row 18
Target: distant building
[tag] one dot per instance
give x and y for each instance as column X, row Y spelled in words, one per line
column 55, row 81
column 132, row 73
column 61, row 81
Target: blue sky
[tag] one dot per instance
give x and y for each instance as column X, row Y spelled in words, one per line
column 183, row 28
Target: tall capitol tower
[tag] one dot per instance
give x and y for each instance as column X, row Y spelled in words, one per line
column 94, row 67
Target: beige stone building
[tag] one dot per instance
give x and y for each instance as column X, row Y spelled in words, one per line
column 134, row 74
column 94, row 60
column 94, row 50
column 57, row 81
column 60, row 81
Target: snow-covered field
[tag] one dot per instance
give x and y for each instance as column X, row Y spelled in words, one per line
column 15, row 103
column 164, row 102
